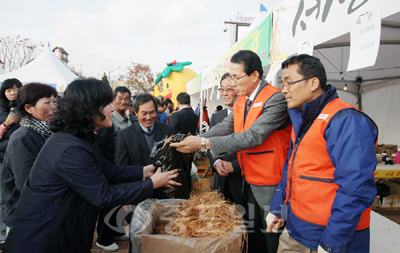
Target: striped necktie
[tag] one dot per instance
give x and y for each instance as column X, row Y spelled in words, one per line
column 248, row 105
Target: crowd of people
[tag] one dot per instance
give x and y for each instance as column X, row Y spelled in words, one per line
column 70, row 163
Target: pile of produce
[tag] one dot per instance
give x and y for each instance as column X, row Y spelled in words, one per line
column 206, row 215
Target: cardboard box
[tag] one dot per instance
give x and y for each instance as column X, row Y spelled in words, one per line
column 151, row 212
column 393, row 200
column 377, row 202
column 390, row 149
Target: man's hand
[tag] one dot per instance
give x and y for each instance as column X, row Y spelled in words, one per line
column 228, row 166
column 321, row 250
column 148, row 170
column 273, row 223
column 220, row 168
column 188, row 145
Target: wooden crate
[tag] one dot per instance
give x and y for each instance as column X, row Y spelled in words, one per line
column 200, row 186
column 202, row 166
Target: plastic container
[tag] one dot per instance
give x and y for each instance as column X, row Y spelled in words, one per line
column 13, row 110
column 397, row 157
column 384, row 155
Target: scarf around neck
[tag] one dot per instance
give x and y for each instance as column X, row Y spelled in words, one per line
column 40, row 127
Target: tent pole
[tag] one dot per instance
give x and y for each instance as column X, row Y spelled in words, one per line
column 359, row 97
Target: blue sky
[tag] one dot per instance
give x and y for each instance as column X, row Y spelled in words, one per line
column 106, row 36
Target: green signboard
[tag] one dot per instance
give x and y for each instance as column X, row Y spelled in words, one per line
column 258, row 41
column 194, row 85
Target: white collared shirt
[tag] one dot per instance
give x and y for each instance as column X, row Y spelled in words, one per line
column 253, row 95
column 119, row 121
column 145, row 128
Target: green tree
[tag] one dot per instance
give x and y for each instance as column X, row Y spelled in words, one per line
column 105, row 79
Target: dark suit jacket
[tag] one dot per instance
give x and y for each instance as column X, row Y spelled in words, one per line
column 105, row 143
column 235, row 179
column 132, row 147
column 184, row 121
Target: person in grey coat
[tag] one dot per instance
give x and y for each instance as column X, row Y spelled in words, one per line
column 246, row 72
column 37, row 103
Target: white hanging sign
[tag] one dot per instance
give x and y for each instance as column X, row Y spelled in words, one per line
column 306, row 46
column 365, row 37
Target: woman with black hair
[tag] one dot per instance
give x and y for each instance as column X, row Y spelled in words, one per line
column 9, row 123
column 8, row 92
column 36, row 107
column 71, row 181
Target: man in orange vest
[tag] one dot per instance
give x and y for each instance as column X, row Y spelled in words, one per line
column 258, row 130
column 327, row 184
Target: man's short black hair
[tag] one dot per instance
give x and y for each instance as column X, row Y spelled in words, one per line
column 183, row 98
column 121, row 89
column 161, row 98
column 163, row 103
column 144, row 98
column 225, row 76
column 168, row 100
column 250, row 60
column 309, row 67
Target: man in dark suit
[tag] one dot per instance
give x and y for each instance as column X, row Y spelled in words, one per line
column 135, row 142
column 259, row 130
column 228, row 173
column 185, row 120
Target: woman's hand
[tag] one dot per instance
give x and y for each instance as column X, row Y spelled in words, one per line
column 164, row 179
column 11, row 119
column 148, row 170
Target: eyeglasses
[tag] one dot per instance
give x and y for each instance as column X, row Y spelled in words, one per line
column 286, row 85
column 235, row 79
column 225, row 90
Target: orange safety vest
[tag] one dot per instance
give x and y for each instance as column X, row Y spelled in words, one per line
column 310, row 187
column 261, row 165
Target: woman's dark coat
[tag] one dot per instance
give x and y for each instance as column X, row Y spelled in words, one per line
column 22, row 151
column 69, row 184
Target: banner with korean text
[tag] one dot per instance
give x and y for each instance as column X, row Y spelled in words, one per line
column 297, row 20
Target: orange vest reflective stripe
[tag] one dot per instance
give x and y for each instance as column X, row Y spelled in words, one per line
column 261, row 165
column 310, row 177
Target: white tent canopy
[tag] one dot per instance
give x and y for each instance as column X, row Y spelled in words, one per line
column 46, row 68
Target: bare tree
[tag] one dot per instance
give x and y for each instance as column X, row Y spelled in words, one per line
column 140, row 77
column 15, row 52
column 161, row 83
